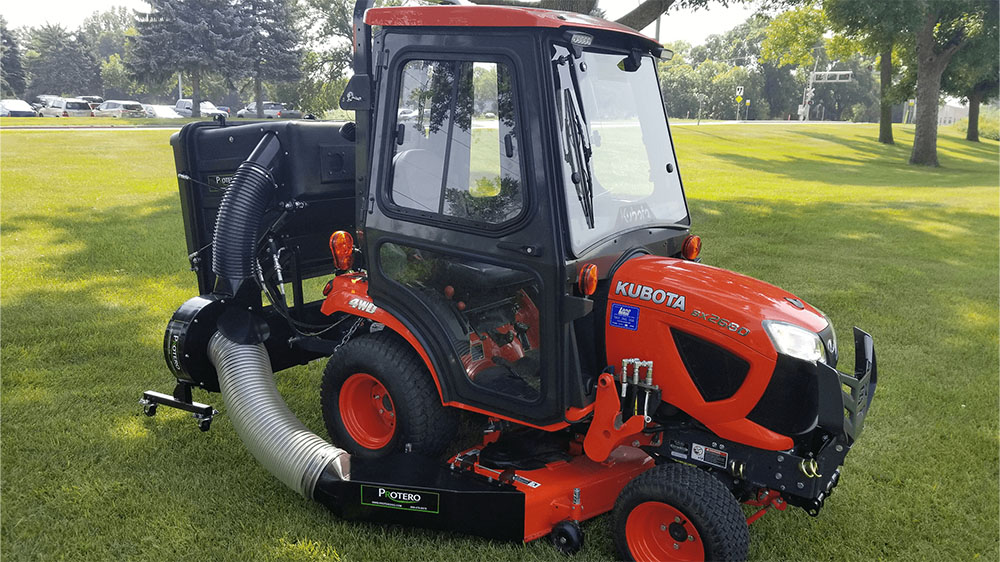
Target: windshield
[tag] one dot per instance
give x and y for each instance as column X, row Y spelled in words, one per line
column 77, row 105
column 208, row 105
column 635, row 182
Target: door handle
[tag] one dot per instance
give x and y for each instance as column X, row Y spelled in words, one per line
column 526, row 249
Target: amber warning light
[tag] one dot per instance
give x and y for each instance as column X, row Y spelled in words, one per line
column 342, row 248
column 691, row 248
column 588, row 279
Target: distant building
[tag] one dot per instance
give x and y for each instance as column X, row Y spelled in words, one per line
column 949, row 113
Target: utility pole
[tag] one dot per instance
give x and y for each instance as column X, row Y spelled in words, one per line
column 180, row 91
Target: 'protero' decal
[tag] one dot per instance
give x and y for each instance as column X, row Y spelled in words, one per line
column 400, row 498
column 647, row 293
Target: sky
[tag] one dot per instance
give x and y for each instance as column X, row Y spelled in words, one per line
column 687, row 25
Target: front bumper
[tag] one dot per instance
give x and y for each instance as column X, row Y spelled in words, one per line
column 821, row 408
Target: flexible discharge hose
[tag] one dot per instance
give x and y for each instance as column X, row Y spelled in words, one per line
column 270, row 431
column 240, row 213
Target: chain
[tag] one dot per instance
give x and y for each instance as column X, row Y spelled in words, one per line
column 350, row 332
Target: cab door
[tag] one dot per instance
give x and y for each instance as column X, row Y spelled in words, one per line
column 459, row 237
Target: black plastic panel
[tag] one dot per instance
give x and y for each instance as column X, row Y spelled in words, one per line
column 716, row 372
column 317, row 170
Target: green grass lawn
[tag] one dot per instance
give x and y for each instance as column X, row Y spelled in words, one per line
column 94, row 264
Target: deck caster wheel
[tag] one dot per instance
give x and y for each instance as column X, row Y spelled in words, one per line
column 149, row 409
column 204, row 425
column 567, row 537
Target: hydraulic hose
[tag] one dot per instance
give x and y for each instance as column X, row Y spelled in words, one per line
column 240, row 213
column 270, row 431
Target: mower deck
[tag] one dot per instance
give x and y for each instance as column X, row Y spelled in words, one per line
column 509, row 504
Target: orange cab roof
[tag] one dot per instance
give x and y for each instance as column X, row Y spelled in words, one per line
column 490, row 16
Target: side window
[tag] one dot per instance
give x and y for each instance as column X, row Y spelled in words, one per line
column 456, row 148
column 490, row 314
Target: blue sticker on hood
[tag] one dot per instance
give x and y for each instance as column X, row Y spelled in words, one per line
column 624, row 316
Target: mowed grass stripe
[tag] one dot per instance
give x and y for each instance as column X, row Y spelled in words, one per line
column 94, row 263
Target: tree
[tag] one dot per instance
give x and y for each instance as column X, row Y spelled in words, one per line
column 192, row 36
column 12, row 76
column 60, row 62
column 272, row 37
column 974, row 74
column 639, row 18
column 115, row 78
column 315, row 92
column 105, row 31
column 878, row 27
column 942, row 28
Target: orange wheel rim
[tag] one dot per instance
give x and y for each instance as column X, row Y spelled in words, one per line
column 367, row 411
column 659, row 531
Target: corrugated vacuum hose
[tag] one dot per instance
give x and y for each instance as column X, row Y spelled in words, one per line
column 271, row 432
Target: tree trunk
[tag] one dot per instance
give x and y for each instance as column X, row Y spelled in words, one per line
column 579, row 6
column 258, row 94
column 645, row 13
column 196, row 93
column 885, row 106
column 925, row 133
column 972, row 132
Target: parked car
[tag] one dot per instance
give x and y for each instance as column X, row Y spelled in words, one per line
column 41, row 101
column 226, row 109
column 160, row 111
column 272, row 110
column 94, row 101
column 16, row 108
column 119, row 108
column 208, row 108
column 67, row 107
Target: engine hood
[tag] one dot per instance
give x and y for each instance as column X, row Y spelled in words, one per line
column 710, row 298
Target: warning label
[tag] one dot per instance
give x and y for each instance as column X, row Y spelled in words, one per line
column 709, row 455
column 624, row 316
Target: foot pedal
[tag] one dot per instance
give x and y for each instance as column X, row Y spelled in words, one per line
column 181, row 400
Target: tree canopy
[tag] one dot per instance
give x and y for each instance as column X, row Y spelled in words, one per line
column 193, row 36
column 12, row 75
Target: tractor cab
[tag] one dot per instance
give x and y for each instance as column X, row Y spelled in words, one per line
column 511, row 147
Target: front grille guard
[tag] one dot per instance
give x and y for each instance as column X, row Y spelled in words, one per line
column 861, row 384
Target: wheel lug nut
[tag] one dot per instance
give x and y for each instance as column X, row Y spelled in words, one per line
column 663, row 527
column 677, row 519
column 676, row 546
column 690, row 537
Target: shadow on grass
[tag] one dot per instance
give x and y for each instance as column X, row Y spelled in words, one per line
column 871, row 163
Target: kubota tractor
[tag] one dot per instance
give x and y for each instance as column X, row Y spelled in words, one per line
column 502, row 230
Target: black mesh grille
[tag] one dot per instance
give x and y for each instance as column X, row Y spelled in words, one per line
column 716, row 373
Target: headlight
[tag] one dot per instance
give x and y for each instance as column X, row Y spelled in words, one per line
column 797, row 342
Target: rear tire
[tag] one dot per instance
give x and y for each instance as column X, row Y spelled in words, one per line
column 678, row 512
column 378, row 397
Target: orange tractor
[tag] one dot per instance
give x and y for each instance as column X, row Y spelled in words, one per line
column 502, row 230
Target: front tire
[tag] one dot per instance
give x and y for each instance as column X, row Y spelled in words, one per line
column 378, row 397
column 678, row 512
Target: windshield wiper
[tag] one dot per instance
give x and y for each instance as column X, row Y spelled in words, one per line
column 578, row 140
column 578, row 156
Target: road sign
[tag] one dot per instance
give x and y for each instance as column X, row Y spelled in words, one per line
column 739, row 99
column 739, row 91
column 748, row 102
column 833, row 76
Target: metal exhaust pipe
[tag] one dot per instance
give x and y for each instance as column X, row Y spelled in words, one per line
column 270, row 431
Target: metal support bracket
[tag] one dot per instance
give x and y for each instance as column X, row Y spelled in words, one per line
column 181, row 400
